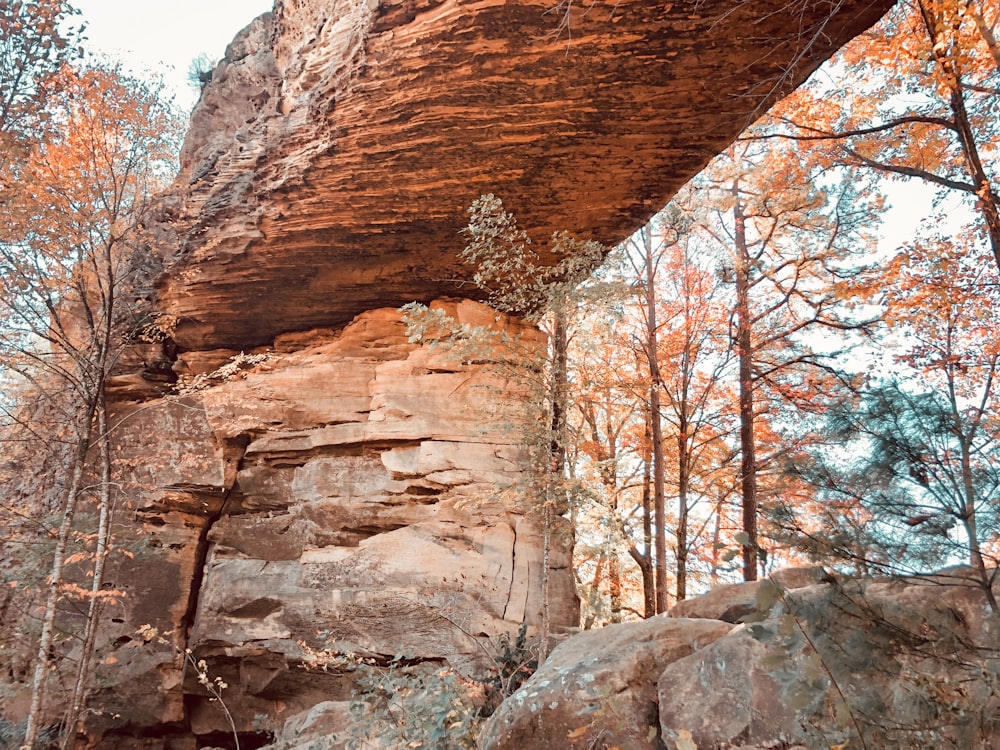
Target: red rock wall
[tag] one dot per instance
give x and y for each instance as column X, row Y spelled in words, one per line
column 360, row 492
column 331, row 159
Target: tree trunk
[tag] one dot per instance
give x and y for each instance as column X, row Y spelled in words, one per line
column 986, row 198
column 655, row 422
column 100, row 558
column 986, row 32
column 716, row 545
column 744, row 351
column 683, row 482
column 557, row 459
column 645, row 560
column 67, row 509
column 971, row 526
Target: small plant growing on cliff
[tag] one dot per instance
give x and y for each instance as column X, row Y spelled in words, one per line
column 235, row 368
column 427, row 706
column 214, row 686
column 516, row 661
column 200, row 69
column 402, row 703
column 543, row 289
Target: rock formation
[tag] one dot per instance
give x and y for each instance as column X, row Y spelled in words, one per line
column 332, row 157
column 905, row 663
column 352, row 491
column 341, row 485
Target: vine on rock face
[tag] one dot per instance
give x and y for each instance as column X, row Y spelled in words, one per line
column 519, row 282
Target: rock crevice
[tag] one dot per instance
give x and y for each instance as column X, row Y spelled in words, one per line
column 354, row 493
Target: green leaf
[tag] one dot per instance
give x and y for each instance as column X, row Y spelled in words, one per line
column 761, row 633
column 801, row 698
column 842, row 713
column 812, row 667
column 767, row 595
column 787, row 625
column 774, row 661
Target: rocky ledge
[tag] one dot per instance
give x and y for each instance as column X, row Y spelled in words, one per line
column 334, row 152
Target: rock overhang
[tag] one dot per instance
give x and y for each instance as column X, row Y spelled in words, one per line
column 332, row 158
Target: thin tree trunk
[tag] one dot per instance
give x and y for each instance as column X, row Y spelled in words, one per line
column 716, row 546
column 67, row 509
column 645, row 560
column 744, row 349
column 648, row 582
column 595, row 595
column 100, row 557
column 985, row 196
column 986, row 32
column 683, row 482
column 971, row 526
column 615, row 585
column 655, row 422
column 557, row 460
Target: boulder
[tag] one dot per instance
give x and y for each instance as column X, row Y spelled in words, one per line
column 598, row 688
column 734, row 601
column 902, row 662
column 887, row 663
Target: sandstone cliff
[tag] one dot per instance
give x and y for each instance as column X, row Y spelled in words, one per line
column 352, row 491
column 332, row 157
column 347, row 486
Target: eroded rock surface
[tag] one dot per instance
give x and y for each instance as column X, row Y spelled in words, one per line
column 903, row 663
column 354, row 492
column 598, row 688
column 733, row 601
column 332, row 156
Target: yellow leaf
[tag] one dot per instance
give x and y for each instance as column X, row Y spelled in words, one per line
column 111, row 660
column 578, row 733
column 685, row 741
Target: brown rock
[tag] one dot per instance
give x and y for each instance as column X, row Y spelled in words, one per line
column 732, row 602
column 598, row 688
column 907, row 662
column 325, row 725
column 333, row 155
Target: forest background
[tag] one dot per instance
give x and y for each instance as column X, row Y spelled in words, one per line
column 753, row 380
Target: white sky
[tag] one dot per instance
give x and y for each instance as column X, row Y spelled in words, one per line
column 166, row 35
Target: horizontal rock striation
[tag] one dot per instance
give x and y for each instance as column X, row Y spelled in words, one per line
column 332, row 157
column 353, row 492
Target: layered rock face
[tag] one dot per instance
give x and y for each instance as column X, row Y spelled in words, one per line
column 332, row 157
column 348, row 491
column 354, row 491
